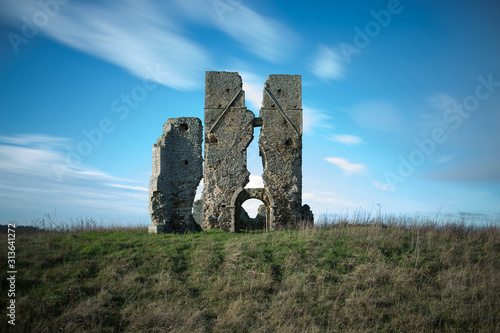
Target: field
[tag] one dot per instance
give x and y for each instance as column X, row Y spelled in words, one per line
column 384, row 274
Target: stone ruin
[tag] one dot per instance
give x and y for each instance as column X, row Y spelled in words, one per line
column 178, row 165
column 177, row 171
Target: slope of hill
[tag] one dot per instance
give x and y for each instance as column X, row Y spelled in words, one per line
column 342, row 277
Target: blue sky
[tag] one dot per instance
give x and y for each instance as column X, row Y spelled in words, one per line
column 401, row 99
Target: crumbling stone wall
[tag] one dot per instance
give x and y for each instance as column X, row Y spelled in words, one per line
column 239, row 221
column 177, row 162
column 256, row 223
column 177, row 171
column 228, row 133
column 280, row 144
column 246, row 222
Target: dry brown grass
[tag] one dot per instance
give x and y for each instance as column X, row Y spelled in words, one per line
column 372, row 275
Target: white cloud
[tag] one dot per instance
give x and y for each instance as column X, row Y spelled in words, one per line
column 34, row 140
column 251, row 206
column 327, row 64
column 378, row 115
column 331, row 198
column 135, row 188
column 148, row 37
column 444, row 159
column 346, row 166
column 199, row 190
column 432, row 116
column 253, row 86
column 313, row 117
column 255, row 182
column 441, row 101
column 30, row 186
column 473, row 170
column 263, row 36
column 139, row 37
column 384, row 187
column 347, row 139
column 23, row 160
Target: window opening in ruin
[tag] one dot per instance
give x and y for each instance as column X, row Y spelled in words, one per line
column 254, row 162
column 199, row 191
column 186, row 162
column 251, row 206
column 199, row 203
column 183, row 128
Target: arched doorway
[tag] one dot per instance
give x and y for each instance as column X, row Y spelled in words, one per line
column 243, row 194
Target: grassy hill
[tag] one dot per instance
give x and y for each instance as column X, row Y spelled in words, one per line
column 342, row 277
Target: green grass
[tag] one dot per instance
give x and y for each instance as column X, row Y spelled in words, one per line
column 342, row 277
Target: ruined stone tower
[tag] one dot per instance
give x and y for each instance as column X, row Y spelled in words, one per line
column 228, row 132
column 280, row 145
column 177, row 171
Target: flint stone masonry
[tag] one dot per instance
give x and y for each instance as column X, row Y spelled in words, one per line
column 280, row 144
column 177, row 171
column 177, row 162
column 243, row 194
column 228, row 133
column 198, row 212
column 246, row 222
column 256, row 223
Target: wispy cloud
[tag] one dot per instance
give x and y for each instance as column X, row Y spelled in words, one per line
column 432, row 116
column 334, row 200
column 483, row 171
column 30, row 186
column 253, row 85
column 327, row 64
column 472, row 140
column 261, row 35
column 135, row 188
column 346, row 166
column 313, row 118
column 350, row 140
column 444, row 159
column 34, row 140
column 384, row 187
column 140, row 37
column 148, row 38
column 441, row 101
column 378, row 115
